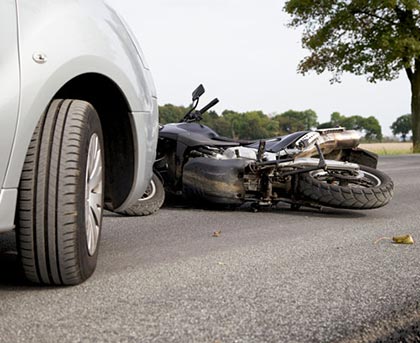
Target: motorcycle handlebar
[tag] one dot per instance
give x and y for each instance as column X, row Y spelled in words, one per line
column 209, row 105
column 193, row 116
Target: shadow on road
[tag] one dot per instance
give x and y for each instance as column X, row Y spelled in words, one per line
column 285, row 209
column 324, row 212
column 11, row 275
column 10, row 271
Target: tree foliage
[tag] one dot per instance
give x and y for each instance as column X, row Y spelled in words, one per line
column 373, row 37
column 377, row 38
column 292, row 121
column 402, row 126
column 256, row 124
column 369, row 126
column 171, row 114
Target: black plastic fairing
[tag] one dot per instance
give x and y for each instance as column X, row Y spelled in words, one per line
column 193, row 134
column 277, row 144
column 215, row 181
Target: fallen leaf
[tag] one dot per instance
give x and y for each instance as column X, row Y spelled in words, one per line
column 217, row 233
column 381, row 239
column 406, row 239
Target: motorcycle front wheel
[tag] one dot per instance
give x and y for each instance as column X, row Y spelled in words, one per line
column 367, row 188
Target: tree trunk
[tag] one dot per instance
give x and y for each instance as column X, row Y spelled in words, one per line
column 415, row 107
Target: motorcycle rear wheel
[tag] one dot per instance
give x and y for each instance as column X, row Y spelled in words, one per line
column 151, row 201
column 370, row 189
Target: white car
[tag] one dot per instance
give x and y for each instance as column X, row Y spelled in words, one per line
column 78, row 130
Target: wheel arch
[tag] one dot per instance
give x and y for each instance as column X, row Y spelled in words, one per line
column 119, row 135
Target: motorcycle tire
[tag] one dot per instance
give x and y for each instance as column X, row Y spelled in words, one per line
column 373, row 190
column 150, row 202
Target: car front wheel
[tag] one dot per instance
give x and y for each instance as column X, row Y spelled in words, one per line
column 60, row 200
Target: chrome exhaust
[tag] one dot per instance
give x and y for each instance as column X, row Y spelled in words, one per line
column 330, row 164
column 328, row 140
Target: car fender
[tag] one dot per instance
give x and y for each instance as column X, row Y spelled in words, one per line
column 61, row 39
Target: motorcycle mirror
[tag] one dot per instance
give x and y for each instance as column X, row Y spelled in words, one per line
column 199, row 91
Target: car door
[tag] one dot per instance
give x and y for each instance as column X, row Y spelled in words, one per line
column 9, row 82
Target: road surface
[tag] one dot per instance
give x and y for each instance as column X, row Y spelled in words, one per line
column 271, row 276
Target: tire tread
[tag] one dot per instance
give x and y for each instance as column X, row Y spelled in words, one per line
column 346, row 197
column 47, row 229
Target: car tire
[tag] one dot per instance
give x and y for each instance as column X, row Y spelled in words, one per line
column 60, row 200
column 151, row 201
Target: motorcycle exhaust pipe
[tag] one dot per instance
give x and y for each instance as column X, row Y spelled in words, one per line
column 328, row 141
column 345, row 140
column 330, row 164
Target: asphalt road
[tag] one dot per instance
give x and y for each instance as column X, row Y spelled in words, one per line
column 272, row 276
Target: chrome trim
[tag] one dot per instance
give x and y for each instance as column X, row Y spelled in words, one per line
column 314, row 162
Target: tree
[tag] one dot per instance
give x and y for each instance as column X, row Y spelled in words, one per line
column 234, row 120
column 377, row 38
column 248, row 125
column 402, row 126
column 292, row 121
column 256, row 125
column 372, row 129
column 369, row 126
column 171, row 114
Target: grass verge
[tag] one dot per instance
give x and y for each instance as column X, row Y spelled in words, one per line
column 388, row 148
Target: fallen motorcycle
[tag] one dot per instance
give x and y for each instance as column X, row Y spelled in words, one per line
column 307, row 168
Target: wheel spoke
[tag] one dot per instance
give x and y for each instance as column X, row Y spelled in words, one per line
column 96, row 233
column 89, row 232
column 95, row 176
column 91, row 154
column 96, row 210
column 94, row 226
column 94, row 191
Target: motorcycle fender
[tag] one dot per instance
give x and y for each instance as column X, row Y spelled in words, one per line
column 215, row 181
column 361, row 156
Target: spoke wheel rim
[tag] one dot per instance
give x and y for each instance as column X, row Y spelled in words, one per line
column 150, row 191
column 93, row 194
column 364, row 179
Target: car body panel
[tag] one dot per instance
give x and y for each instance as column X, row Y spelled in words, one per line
column 75, row 38
column 147, row 129
column 8, row 199
column 9, row 87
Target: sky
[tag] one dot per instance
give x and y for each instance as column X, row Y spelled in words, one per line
column 244, row 53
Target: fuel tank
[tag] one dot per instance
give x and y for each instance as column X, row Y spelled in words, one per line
column 215, row 181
